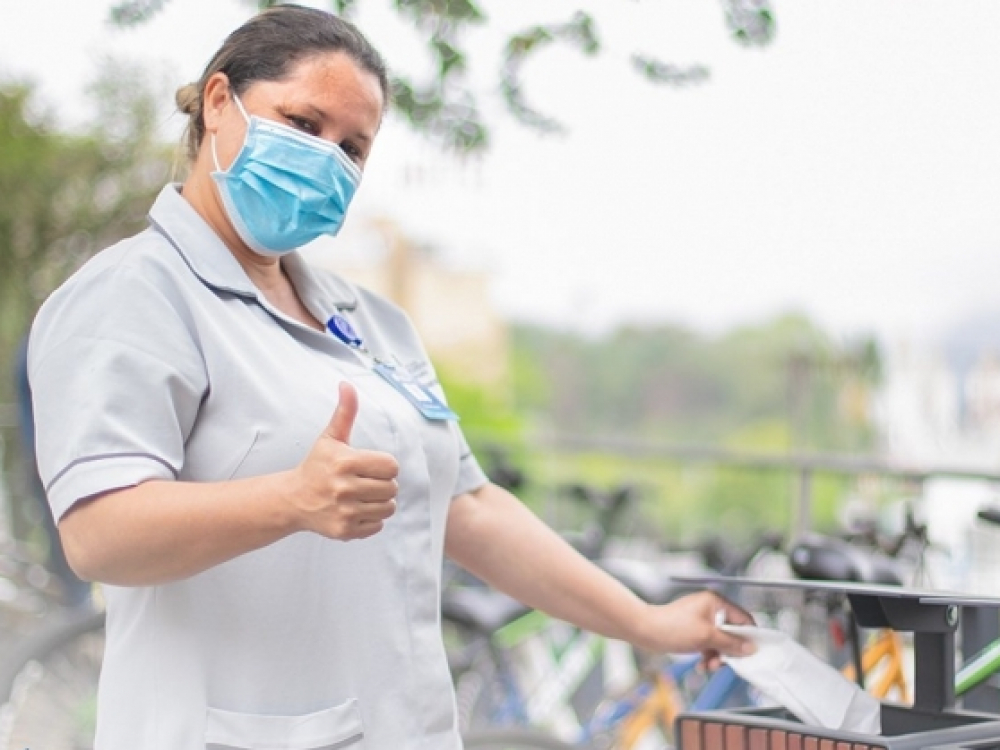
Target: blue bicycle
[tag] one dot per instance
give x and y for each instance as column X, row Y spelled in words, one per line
column 517, row 669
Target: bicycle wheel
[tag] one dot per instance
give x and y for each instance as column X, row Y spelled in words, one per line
column 514, row 739
column 48, row 686
column 486, row 691
column 503, row 686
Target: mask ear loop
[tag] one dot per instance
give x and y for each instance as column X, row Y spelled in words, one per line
column 215, row 155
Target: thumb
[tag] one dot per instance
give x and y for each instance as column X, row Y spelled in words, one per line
column 343, row 418
column 732, row 645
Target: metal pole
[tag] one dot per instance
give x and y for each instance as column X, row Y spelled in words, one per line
column 934, row 671
column 803, row 504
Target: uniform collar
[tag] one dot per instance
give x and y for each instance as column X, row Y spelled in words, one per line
column 213, row 263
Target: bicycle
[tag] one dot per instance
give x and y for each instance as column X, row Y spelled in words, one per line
column 500, row 652
column 864, row 557
column 658, row 690
column 516, row 667
column 493, row 691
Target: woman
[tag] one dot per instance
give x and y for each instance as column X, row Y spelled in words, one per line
column 255, row 458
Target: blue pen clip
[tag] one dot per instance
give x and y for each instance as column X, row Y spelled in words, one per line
column 341, row 327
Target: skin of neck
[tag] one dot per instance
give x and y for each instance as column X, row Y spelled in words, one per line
column 202, row 193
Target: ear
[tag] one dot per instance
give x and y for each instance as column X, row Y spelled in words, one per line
column 216, row 98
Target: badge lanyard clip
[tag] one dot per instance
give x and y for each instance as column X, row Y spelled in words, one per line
column 426, row 402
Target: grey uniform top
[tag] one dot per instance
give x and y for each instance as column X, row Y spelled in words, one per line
column 159, row 359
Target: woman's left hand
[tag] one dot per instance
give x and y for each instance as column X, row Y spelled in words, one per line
column 690, row 624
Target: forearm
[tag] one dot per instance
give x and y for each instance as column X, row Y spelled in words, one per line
column 492, row 534
column 163, row 531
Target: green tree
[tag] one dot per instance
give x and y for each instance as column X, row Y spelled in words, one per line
column 445, row 106
column 669, row 382
column 779, row 385
column 68, row 195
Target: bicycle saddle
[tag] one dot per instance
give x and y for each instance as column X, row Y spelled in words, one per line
column 992, row 515
column 824, row 558
column 484, row 609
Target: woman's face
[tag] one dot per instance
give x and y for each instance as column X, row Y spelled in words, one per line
column 326, row 95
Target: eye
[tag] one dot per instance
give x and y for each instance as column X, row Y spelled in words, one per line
column 356, row 154
column 303, row 123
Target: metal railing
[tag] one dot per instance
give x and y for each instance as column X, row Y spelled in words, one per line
column 804, row 464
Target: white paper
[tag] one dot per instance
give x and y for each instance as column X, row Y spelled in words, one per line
column 790, row 674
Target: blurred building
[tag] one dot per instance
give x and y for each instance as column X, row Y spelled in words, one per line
column 981, row 396
column 450, row 306
column 940, row 406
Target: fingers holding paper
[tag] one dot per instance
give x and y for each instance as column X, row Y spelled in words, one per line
column 692, row 622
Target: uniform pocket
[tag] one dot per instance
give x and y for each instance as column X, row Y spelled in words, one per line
column 330, row 729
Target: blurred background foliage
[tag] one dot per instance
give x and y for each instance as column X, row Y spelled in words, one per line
column 776, row 387
column 671, row 382
column 66, row 195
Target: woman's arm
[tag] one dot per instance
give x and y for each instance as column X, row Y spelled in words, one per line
column 493, row 536
column 162, row 531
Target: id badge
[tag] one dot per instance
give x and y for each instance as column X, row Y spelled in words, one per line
column 423, row 399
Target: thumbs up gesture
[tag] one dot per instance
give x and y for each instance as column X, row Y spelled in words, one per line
column 339, row 491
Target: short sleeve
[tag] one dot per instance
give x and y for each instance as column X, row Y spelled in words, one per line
column 470, row 475
column 116, row 381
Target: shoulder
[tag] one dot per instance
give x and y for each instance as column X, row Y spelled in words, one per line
column 130, row 291
column 144, row 261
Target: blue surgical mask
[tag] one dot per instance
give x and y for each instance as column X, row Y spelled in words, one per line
column 285, row 188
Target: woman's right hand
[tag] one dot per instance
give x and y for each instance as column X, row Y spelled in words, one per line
column 339, row 491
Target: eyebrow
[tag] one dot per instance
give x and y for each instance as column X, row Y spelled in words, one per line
column 323, row 116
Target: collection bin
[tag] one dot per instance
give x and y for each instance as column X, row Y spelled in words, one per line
column 903, row 728
column 932, row 722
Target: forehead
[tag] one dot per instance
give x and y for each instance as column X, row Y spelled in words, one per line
column 331, row 81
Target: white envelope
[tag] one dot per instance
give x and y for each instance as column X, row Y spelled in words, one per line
column 791, row 675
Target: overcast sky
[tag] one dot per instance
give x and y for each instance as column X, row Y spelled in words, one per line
column 851, row 170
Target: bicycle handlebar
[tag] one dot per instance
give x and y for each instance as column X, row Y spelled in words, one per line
column 610, row 504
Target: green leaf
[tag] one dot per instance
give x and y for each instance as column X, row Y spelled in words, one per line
column 451, row 59
column 661, row 72
column 344, row 8
column 135, row 12
column 751, row 22
column 579, row 32
column 457, row 12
